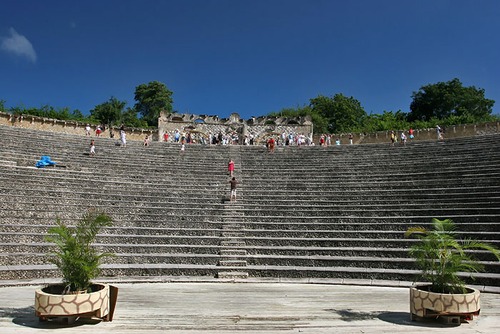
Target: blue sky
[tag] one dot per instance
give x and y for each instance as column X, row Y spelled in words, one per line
column 250, row 57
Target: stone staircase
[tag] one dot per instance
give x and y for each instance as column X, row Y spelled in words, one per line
column 233, row 260
column 233, row 254
column 335, row 212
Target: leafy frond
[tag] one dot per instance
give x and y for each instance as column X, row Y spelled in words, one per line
column 75, row 256
column 443, row 226
column 441, row 256
column 473, row 244
column 419, row 230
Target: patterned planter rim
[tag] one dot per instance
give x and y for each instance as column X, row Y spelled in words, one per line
column 95, row 303
column 425, row 303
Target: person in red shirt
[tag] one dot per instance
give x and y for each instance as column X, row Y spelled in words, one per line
column 230, row 167
column 271, row 145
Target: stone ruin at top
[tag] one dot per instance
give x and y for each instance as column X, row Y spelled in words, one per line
column 258, row 128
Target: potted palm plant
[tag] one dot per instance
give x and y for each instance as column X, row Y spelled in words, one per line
column 79, row 263
column 445, row 262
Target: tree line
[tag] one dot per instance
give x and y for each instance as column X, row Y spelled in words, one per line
column 443, row 103
column 151, row 99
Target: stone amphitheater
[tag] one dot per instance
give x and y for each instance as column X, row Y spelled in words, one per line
column 316, row 237
column 338, row 212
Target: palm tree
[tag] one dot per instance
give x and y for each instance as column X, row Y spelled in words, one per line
column 442, row 257
column 75, row 256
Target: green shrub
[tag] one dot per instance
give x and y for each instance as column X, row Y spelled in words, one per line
column 442, row 257
column 75, row 256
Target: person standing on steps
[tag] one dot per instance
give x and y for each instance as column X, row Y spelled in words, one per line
column 403, row 138
column 233, row 183
column 270, row 145
column 230, row 167
column 123, row 138
column 98, row 131
column 440, row 132
column 92, row 148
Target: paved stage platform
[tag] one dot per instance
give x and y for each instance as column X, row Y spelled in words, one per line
column 251, row 307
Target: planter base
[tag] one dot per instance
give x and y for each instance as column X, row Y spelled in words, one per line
column 451, row 308
column 97, row 304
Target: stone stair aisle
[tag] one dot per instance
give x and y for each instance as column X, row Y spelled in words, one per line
column 233, row 255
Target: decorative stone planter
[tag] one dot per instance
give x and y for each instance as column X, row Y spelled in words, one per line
column 427, row 304
column 51, row 303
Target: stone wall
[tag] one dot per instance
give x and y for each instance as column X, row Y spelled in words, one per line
column 69, row 127
column 464, row 130
column 260, row 128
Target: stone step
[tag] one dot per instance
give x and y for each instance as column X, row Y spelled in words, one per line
column 232, row 234
column 232, row 243
column 232, row 274
column 233, row 263
column 233, row 252
column 232, row 226
column 7, row 163
column 233, row 214
column 236, row 223
column 230, row 259
column 232, row 206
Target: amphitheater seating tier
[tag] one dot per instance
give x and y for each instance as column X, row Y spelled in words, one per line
column 332, row 212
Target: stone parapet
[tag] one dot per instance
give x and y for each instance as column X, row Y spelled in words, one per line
column 453, row 131
column 260, row 128
column 70, row 127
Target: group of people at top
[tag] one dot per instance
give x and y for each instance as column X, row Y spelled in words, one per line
column 403, row 137
column 411, row 134
column 326, row 139
column 233, row 138
column 100, row 129
column 224, row 139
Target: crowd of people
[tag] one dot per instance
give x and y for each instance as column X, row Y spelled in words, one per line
column 271, row 141
column 233, row 138
column 404, row 136
column 100, row 129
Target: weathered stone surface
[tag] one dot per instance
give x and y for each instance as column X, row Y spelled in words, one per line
column 251, row 307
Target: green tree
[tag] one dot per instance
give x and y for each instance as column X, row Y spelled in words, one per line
column 151, row 100
column 344, row 114
column 108, row 112
column 77, row 115
column 320, row 123
column 129, row 118
column 445, row 99
column 63, row 113
column 388, row 120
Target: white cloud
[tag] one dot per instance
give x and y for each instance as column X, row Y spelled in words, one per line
column 18, row 45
